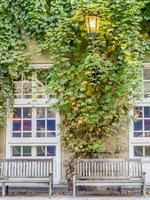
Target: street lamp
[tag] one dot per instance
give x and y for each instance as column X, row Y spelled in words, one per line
column 92, row 24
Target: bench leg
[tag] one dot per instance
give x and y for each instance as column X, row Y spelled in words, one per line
column 74, row 191
column 74, row 186
column 50, row 190
column 50, row 185
column 3, row 189
column 143, row 190
column 144, row 184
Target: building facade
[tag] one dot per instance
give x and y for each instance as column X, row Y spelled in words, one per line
column 32, row 129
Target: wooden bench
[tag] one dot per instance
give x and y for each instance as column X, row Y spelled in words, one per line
column 108, row 172
column 26, row 171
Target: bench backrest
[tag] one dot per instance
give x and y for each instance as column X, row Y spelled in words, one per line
column 26, row 168
column 108, row 168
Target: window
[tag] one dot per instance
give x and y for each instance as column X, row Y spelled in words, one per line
column 46, row 150
column 18, row 151
column 29, row 151
column 22, row 122
column 45, row 123
column 146, row 81
column 28, row 86
column 142, row 151
column 33, row 122
column 140, row 137
column 32, row 130
column 142, row 124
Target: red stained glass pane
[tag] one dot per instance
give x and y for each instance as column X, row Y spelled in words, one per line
column 27, row 125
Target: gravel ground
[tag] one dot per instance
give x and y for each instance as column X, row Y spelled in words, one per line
column 71, row 198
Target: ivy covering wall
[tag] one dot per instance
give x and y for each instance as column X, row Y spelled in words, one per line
column 95, row 79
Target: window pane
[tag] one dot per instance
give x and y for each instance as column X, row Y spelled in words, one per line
column 17, row 113
column 138, row 134
column 147, row 89
column 138, row 125
column 147, row 151
column 16, row 134
column 41, row 89
column 40, row 112
column 27, row 125
column 27, row 89
column 27, row 134
column 16, row 125
column 51, row 125
column 26, row 151
column 138, row 151
column 147, row 124
column 18, row 89
column 27, row 113
column 51, row 151
column 40, row 125
column 51, row 134
column 138, row 112
column 147, row 112
column 147, row 134
column 146, row 74
column 16, row 151
column 40, row 134
column 40, row 151
column 50, row 114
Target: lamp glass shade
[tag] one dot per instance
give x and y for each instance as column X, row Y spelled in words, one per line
column 92, row 24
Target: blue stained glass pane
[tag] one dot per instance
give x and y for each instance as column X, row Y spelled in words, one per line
column 27, row 125
column 147, row 112
column 138, row 125
column 51, row 125
column 147, row 124
column 17, row 125
column 40, row 125
column 51, row 151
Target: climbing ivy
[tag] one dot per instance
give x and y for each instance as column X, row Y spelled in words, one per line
column 94, row 79
column 20, row 19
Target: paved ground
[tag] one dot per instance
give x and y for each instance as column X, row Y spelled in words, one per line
column 71, row 198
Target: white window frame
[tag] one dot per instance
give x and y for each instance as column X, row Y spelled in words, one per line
column 35, row 141
column 138, row 141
